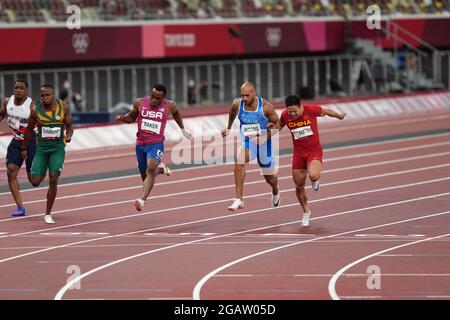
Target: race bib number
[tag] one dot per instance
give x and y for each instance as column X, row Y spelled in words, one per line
column 251, row 129
column 51, row 133
column 302, row 132
column 150, row 125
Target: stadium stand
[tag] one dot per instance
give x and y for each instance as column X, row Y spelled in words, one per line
column 19, row 11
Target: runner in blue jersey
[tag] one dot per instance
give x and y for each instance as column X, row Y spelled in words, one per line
column 256, row 115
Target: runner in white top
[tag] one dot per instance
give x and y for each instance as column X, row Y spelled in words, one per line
column 17, row 111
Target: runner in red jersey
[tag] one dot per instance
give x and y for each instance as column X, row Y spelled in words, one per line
column 151, row 113
column 301, row 120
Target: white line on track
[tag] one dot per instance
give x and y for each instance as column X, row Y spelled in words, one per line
column 228, row 217
column 201, row 283
column 197, row 288
column 433, row 155
column 383, row 152
column 329, row 275
column 248, row 196
column 333, row 280
column 323, row 131
column 255, row 170
column 223, row 217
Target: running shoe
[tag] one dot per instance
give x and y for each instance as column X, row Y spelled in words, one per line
column 315, row 185
column 276, row 199
column 166, row 169
column 20, row 212
column 305, row 220
column 236, row 205
column 139, row 204
column 48, row 219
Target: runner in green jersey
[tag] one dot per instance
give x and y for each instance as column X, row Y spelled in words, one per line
column 52, row 117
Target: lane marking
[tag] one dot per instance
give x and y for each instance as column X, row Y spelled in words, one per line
column 324, row 131
column 249, row 196
column 248, row 171
column 328, row 275
column 247, row 183
column 333, row 280
column 214, row 219
column 200, row 284
column 66, row 234
column 229, row 164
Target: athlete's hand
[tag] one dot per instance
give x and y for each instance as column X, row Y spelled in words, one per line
column 342, row 116
column 186, row 134
column 120, row 118
column 225, row 132
column 270, row 125
column 68, row 139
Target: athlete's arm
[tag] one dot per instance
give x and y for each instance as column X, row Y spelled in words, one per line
column 131, row 116
column 178, row 119
column 68, row 122
column 271, row 114
column 29, row 130
column 3, row 109
column 333, row 114
column 232, row 114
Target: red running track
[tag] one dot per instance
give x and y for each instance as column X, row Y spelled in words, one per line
column 379, row 229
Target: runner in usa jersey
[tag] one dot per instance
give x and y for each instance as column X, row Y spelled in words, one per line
column 16, row 110
column 301, row 120
column 151, row 113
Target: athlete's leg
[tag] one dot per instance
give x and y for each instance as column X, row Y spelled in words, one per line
column 266, row 162
column 14, row 161
column 141, row 158
column 299, row 177
column 154, row 154
column 314, row 164
column 39, row 168
column 52, row 191
column 55, row 166
column 12, row 171
column 314, row 170
column 149, row 181
column 272, row 180
column 242, row 157
column 30, row 157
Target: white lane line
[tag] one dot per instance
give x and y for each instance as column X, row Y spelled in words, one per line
column 333, row 280
column 363, row 166
column 201, row 283
column 328, row 275
column 227, row 164
column 386, row 123
column 197, row 288
column 257, row 170
column 220, row 218
column 248, row 196
column 361, row 155
column 323, row 131
column 364, row 297
column 414, row 255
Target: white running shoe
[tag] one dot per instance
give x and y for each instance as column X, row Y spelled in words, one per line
column 166, row 169
column 315, row 185
column 48, row 219
column 236, row 205
column 276, row 199
column 305, row 220
column 139, row 204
